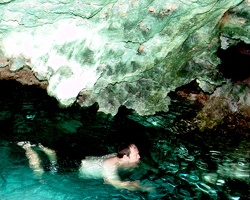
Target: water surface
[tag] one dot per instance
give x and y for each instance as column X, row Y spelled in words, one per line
column 180, row 162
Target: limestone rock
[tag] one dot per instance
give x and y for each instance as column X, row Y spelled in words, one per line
column 226, row 100
column 130, row 53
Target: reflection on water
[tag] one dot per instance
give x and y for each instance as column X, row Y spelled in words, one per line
column 212, row 174
column 193, row 165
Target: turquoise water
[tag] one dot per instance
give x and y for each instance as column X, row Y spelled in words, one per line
column 177, row 161
column 18, row 181
column 184, row 173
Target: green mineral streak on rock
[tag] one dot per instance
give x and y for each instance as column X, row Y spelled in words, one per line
column 5, row 1
column 237, row 23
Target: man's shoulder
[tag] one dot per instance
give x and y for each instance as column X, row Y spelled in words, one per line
column 110, row 162
column 112, row 155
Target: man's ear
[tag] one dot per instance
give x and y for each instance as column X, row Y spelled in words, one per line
column 125, row 157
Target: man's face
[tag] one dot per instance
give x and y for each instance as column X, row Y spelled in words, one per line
column 134, row 156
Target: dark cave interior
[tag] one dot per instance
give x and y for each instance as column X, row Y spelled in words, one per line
column 235, row 62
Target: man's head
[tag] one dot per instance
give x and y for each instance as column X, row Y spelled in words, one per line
column 129, row 153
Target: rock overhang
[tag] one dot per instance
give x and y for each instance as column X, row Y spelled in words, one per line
column 119, row 53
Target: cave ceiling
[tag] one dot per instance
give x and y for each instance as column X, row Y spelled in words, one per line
column 124, row 53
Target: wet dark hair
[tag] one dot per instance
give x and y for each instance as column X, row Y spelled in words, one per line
column 124, row 149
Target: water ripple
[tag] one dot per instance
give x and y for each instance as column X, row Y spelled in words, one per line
column 201, row 165
column 206, row 188
column 183, row 193
column 189, row 178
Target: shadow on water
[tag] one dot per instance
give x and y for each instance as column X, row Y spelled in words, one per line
column 179, row 161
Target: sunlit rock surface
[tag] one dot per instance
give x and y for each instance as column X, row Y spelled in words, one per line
column 130, row 53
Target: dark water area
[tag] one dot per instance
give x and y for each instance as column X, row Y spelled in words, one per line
column 177, row 160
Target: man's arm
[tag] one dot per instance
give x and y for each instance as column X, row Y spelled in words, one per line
column 110, row 176
column 129, row 185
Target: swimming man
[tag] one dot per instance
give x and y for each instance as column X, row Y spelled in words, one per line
column 105, row 167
